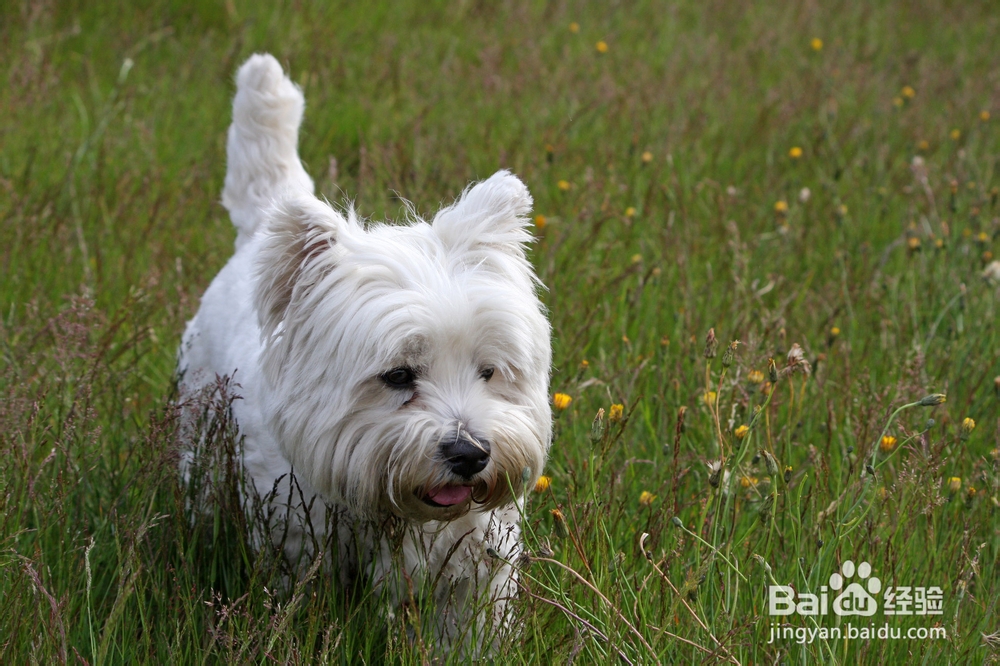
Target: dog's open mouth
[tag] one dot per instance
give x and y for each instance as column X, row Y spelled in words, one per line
column 447, row 495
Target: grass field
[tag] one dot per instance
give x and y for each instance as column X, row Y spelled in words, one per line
column 816, row 180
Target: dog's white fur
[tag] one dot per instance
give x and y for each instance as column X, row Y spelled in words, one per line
column 309, row 315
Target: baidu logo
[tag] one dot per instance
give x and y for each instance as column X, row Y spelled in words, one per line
column 856, row 599
column 851, row 597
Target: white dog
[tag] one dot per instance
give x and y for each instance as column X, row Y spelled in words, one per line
column 399, row 373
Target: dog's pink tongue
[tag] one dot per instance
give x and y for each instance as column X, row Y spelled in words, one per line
column 450, row 495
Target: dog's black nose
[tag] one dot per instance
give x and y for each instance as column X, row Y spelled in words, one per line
column 466, row 456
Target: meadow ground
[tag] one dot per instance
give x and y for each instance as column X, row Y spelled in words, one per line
column 816, row 180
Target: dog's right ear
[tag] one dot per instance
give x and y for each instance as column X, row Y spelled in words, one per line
column 299, row 249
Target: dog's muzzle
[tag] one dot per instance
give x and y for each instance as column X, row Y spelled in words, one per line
column 465, row 455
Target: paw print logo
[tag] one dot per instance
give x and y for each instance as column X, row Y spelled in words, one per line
column 855, row 599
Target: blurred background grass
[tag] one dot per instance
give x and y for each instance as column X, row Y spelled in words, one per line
column 658, row 140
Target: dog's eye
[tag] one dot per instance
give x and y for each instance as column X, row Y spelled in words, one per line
column 399, row 377
column 487, row 373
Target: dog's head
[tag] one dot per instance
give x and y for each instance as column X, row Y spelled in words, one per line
column 406, row 368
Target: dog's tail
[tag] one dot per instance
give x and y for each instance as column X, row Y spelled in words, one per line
column 262, row 150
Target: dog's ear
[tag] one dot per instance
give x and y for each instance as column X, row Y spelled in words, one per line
column 493, row 213
column 299, row 248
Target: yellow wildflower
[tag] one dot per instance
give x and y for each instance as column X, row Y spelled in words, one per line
column 646, row 498
column 584, row 364
column 954, row 484
column 748, row 481
column 984, row 115
column 834, row 332
column 741, row 432
column 968, row 425
column 574, row 27
column 630, row 211
column 908, row 92
column 561, row 401
column 887, row 444
column 923, row 145
column 539, row 222
column 795, row 152
column 543, row 484
column 561, row 528
column 755, row 377
column 781, row 207
column 955, row 134
column 816, row 43
column 616, row 413
column 708, row 397
column 563, row 185
column 601, row 46
column 647, row 157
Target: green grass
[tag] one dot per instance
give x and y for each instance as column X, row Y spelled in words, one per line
column 111, row 228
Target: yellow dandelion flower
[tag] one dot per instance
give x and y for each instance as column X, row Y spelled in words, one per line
column 574, row 27
column 748, row 481
column 561, row 401
column 968, row 425
column 765, row 388
column 955, row 134
column 708, row 397
column 954, row 484
column 908, row 92
column 636, row 258
column 646, row 498
column 939, row 243
column 897, row 102
column 795, row 152
column 615, row 415
column 984, row 115
column 983, row 237
column 561, row 528
column 913, row 243
column 887, row 444
column 842, row 210
column 834, row 331
column 601, row 46
column 647, row 157
column 540, row 222
column 781, row 207
column 816, row 43
column 755, row 377
column 584, row 364
column 741, row 432
column 923, row 145
column 543, row 484
column 563, row 185
column 630, row 211
column 664, row 341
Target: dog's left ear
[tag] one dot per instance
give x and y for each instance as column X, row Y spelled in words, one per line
column 299, row 249
column 493, row 213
